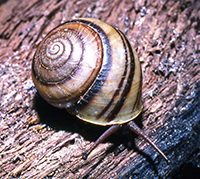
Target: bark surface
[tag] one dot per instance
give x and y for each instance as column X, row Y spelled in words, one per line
column 38, row 140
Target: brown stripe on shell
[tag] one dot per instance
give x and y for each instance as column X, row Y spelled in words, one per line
column 101, row 78
column 118, row 88
column 129, row 81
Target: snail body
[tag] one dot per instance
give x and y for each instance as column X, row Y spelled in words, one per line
column 90, row 68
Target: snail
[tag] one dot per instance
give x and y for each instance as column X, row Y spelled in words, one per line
column 90, row 68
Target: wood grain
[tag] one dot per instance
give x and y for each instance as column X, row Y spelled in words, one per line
column 38, row 140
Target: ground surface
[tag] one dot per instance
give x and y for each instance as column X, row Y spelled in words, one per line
column 38, row 140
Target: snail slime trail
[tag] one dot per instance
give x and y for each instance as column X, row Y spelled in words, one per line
column 98, row 78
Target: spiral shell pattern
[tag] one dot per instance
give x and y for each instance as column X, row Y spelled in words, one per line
column 91, row 69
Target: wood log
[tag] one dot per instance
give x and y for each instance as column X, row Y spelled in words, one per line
column 38, row 140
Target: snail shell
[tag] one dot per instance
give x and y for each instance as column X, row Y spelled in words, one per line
column 91, row 69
